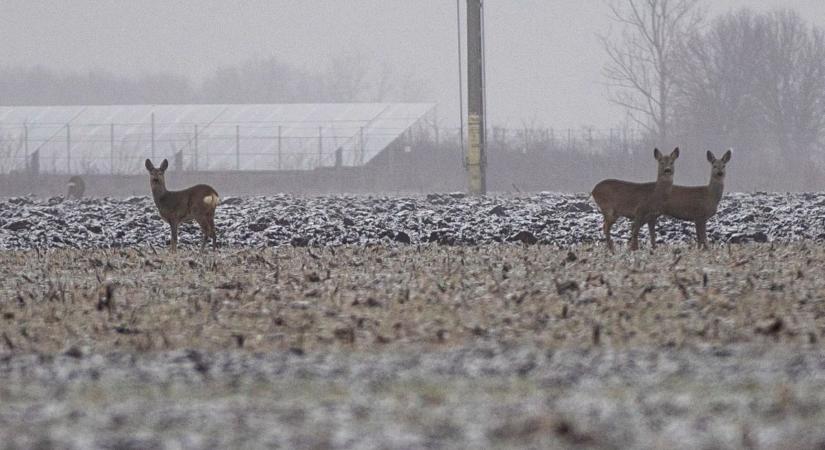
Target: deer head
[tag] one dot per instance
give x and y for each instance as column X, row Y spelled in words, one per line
column 717, row 171
column 156, row 178
column 666, row 166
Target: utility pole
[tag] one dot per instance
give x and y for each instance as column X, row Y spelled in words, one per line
column 476, row 159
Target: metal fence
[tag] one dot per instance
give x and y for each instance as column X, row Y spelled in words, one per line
column 585, row 140
column 120, row 148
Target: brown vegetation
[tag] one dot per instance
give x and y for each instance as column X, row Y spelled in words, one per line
column 371, row 298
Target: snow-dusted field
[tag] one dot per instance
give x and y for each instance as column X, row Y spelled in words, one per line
column 414, row 322
column 486, row 396
column 406, row 346
column 549, row 218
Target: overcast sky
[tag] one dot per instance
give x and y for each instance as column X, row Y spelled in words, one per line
column 544, row 59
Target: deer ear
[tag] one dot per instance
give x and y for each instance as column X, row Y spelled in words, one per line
column 149, row 165
column 164, row 165
column 675, row 153
column 711, row 157
column 657, row 154
column 726, row 157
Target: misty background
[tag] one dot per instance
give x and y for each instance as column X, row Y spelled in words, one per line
column 747, row 75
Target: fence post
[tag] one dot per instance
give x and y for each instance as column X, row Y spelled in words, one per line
column 35, row 162
column 68, row 149
column 624, row 141
column 196, row 147
column 153, row 135
column 280, row 166
column 361, row 146
column 112, row 149
column 237, row 147
column 320, row 145
column 26, row 144
column 391, row 167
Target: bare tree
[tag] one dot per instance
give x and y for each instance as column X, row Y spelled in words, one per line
column 353, row 78
column 793, row 83
column 12, row 154
column 266, row 80
column 347, row 79
column 756, row 82
column 42, row 86
column 716, row 99
column 641, row 68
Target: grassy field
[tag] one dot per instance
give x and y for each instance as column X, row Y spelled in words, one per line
column 493, row 346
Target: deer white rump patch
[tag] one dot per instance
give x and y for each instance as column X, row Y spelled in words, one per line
column 211, row 200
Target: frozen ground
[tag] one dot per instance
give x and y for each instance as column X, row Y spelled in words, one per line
column 488, row 396
column 410, row 346
column 548, row 218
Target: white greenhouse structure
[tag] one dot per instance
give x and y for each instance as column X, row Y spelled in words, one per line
column 263, row 137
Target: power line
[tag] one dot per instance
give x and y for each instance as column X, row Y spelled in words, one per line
column 460, row 83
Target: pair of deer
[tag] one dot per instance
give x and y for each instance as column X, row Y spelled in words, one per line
column 645, row 202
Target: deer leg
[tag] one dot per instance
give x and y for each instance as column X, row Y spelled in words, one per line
column 204, row 224
column 634, row 233
column 609, row 220
column 701, row 234
column 174, row 244
column 651, row 228
column 210, row 218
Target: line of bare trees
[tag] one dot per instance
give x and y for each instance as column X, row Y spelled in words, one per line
column 748, row 80
column 347, row 78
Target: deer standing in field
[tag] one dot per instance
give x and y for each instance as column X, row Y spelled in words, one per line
column 175, row 207
column 640, row 202
column 698, row 203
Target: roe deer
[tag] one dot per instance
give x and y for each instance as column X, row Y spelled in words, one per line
column 197, row 202
column 640, row 202
column 698, row 203
column 76, row 187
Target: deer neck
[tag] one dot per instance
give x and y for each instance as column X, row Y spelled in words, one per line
column 664, row 184
column 158, row 191
column 716, row 187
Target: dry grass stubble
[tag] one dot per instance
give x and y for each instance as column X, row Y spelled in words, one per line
column 376, row 298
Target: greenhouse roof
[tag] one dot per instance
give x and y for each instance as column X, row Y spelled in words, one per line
column 117, row 139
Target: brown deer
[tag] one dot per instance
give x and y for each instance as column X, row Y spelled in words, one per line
column 698, row 203
column 195, row 203
column 640, row 202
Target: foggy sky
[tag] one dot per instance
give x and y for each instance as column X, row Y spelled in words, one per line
column 544, row 59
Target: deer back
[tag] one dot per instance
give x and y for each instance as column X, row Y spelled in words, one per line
column 691, row 203
column 622, row 197
column 187, row 204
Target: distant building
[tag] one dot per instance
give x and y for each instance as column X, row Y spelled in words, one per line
column 116, row 139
